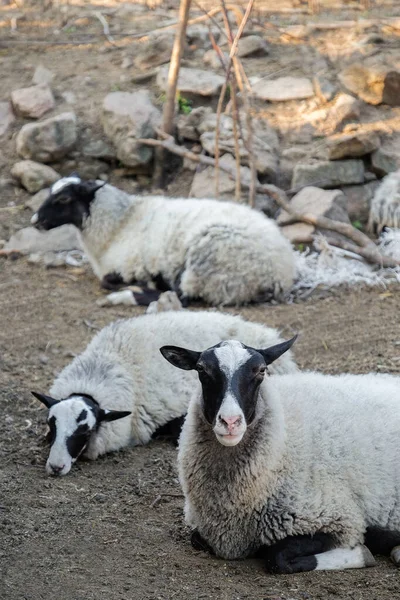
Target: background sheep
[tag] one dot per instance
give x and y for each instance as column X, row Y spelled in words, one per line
column 220, row 252
column 122, row 370
column 385, row 205
column 304, row 461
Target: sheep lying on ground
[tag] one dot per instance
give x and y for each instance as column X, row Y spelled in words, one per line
column 303, row 468
column 385, row 205
column 220, row 252
column 122, row 373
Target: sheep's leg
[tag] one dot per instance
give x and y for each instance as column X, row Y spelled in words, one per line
column 309, row 553
column 171, row 430
column 112, row 281
column 200, row 543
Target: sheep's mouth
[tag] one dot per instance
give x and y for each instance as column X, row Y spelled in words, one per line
column 229, row 439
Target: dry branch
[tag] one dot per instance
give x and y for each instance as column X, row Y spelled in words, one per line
column 362, row 244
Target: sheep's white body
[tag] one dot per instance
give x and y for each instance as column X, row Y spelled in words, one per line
column 122, row 369
column 385, row 205
column 323, row 455
column 222, row 252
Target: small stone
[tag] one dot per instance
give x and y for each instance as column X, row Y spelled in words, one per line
column 99, row 149
column 198, row 36
column 328, row 174
column 34, row 176
column 127, row 62
column 6, row 117
column 283, row 89
column 193, row 81
column 154, row 52
column 43, row 359
column 127, row 117
column 42, row 76
column 69, row 97
column 345, row 109
column 358, row 200
column 32, row 102
column 356, row 144
column 324, row 90
column 48, row 140
column 31, row 240
column 387, row 158
column 252, row 45
column 188, row 125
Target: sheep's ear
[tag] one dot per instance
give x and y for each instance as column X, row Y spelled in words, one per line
column 180, row 357
column 87, row 189
column 274, row 352
column 112, row 415
column 48, row 401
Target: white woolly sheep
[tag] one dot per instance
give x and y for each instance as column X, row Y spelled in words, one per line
column 302, row 468
column 221, row 252
column 122, row 373
column 385, row 205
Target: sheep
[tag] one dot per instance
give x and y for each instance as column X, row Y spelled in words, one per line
column 385, row 205
column 220, row 252
column 301, row 468
column 121, row 373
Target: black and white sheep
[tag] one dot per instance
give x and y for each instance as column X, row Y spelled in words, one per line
column 221, row 252
column 303, row 468
column 122, row 373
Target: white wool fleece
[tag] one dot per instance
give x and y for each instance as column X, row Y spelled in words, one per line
column 322, row 455
column 221, row 252
column 123, row 369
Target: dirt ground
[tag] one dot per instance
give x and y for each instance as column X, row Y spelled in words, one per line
column 114, row 529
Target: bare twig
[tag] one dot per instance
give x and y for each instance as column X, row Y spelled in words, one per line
column 362, row 243
column 106, row 29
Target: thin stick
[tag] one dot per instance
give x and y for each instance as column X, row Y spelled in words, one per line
column 106, row 29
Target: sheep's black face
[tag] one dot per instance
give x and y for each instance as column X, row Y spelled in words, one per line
column 230, row 374
column 72, row 422
column 68, row 203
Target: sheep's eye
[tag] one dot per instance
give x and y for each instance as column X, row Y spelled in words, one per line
column 263, row 370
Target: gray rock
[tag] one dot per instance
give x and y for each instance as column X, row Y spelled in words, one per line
column 358, row 200
column 49, row 140
column 265, row 142
column 99, row 149
column 387, row 158
column 212, row 59
column 252, row 45
column 42, row 76
column 193, row 81
column 373, row 83
column 345, row 109
column 347, row 145
column 32, row 102
column 198, row 36
column 37, row 200
column 127, row 117
column 324, row 90
column 203, row 185
column 153, row 53
column 188, row 125
column 331, row 204
column 6, row 117
column 284, row 88
column 328, row 174
column 30, row 240
column 34, row 176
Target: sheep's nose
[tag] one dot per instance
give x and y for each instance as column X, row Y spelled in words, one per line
column 56, row 469
column 231, row 422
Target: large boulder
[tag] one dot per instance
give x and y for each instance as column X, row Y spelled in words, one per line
column 32, row 102
column 331, row 204
column 373, row 83
column 348, row 145
column 265, row 142
column 49, row 140
column 127, row 117
column 387, row 158
column 328, row 174
column 284, row 88
column 30, row 240
column 193, row 81
column 252, row 45
column 34, row 176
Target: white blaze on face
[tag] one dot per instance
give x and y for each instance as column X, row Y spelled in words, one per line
column 66, row 414
column 230, row 424
column 62, row 183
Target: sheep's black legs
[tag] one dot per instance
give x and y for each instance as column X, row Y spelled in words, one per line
column 308, row 553
column 171, row 430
